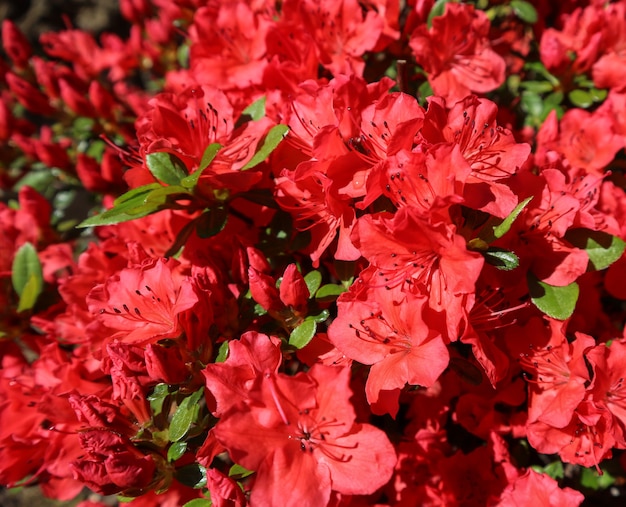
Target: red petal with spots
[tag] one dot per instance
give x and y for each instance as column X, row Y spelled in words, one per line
column 143, row 303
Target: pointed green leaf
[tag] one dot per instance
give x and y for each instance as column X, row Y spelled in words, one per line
column 525, row 11
column 271, row 141
column 135, row 193
column 208, row 156
column 603, row 249
column 303, row 334
column 313, row 280
column 186, row 414
column 329, row 292
column 156, row 399
column 438, row 9
column 166, row 167
column 589, row 478
column 556, row 302
column 26, row 264
column 222, row 353
column 129, row 206
column 31, row 292
column 256, row 110
column 501, row 258
column 494, row 230
column 176, row 450
column 239, row 471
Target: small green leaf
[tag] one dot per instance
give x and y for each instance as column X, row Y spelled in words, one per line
column 31, row 292
column 199, row 502
column 156, row 399
column 554, row 470
column 313, row 280
column 162, row 194
column 222, row 353
column 166, row 167
column 185, row 416
column 303, row 334
column 589, row 478
column 556, row 302
column 329, row 292
column 208, row 156
column 531, row 103
column 580, row 98
column 26, row 265
column 193, row 475
column 537, row 86
column 603, row 249
column 256, row 110
column 271, row 141
column 493, row 231
column 134, row 194
column 438, row 10
column 525, row 11
column 129, row 206
column 598, row 95
column 176, row 450
column 239, row 471
column 319, row 317
column 501, row 258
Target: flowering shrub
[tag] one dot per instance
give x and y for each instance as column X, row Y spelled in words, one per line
column 316, row 252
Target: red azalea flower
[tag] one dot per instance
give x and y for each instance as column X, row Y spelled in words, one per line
column 143, row 303
column 387, row 330
column 422, row 257
column 300, row 436
column 457, row 54
column 534, row 488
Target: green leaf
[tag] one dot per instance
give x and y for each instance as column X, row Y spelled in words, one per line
column 222, row 353
column 156, row 399
column 603, row 249
column 166, row 167
column 129, row 206
column 580, row 98
column 193, row 475
column 176, row 450
column 27, row 276
column 211, row 222
column 494, row 230
column 31, row 292
column 525, row 11
column 313, row 280
column 531, row 103
column 303, row 334
column 26, row 265
column 589, row 478
column 208, row 156
column 537, row 86
column 554, row 470
column 319, row 317
column 256, row 110
column 239, row 471
column 199, row 502
column 556, row 302
column 598, row 95
column 271, row 141
column 329, row 292
column 186, row 414
column 501, row 258
column 437, row 10
column 162, row 194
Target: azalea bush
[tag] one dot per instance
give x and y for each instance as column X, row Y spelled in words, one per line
column 316, row 252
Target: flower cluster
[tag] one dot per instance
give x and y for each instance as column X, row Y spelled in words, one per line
column 316, row 252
